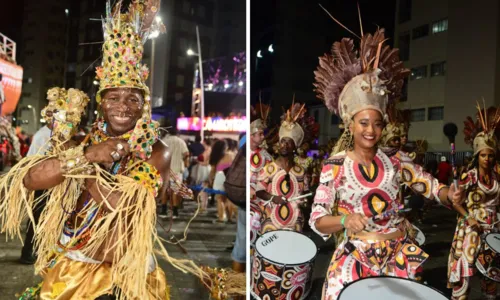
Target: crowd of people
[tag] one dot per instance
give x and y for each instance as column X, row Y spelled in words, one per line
column 368, row 187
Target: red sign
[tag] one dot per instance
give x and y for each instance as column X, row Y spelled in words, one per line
column 12, row 82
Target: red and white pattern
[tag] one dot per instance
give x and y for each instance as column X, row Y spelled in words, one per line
column 370, row 191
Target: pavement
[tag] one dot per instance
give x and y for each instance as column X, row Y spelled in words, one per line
column 206, row 244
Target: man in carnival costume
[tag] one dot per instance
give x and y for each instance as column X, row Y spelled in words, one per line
column 358, row 193
column 97, row 237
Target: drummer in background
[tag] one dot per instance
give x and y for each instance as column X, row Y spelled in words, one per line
column 478, row 215
column 362, row 181
column 259, row 158
column 282, row 179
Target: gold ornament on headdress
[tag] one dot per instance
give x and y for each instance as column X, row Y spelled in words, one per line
column 124, row 37
column 393, row 129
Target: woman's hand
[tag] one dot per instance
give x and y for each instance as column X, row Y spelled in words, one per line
column 473, row 223
column 107, row 152
column 278, row 200
column 355, row 222
column 456, row 196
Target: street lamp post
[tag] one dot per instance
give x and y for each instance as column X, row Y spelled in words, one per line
column 202, row 87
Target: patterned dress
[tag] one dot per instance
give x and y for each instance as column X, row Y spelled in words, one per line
column 306, row 163
column 276, row 181
column 349, row 187
column 481, row 203
column 258, row 160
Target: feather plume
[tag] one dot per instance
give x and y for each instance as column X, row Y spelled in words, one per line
column 336, row 69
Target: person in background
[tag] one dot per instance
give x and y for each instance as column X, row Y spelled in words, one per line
column 2, row 93
column 39, row 145
column 444, row 171
column 197, row 147
column 180, row 155
column 220, row 161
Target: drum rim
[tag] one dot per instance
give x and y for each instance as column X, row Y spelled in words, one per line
column 257, row 252
column 386, row 276
column 486, row 241
column 420, row 230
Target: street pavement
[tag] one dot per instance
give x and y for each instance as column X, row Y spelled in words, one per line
column 438, row 227
column 206, row 244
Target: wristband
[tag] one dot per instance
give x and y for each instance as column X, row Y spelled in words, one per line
column 342, row 221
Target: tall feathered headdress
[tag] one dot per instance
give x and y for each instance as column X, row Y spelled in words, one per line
column 259, row 115
column 290, row 126
column 484, row 132
column 349, row 81
column 393, row 128
column 124, row 37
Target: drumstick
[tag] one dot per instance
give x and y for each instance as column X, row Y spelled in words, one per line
column 300, row 197
column 389, row 213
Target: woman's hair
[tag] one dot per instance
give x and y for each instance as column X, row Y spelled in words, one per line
column 232, row 145
column 219, row 148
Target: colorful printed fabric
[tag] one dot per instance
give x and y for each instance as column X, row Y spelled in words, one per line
column 276, row 181
column 347, row 187
column 467, row 249
column 258, row 160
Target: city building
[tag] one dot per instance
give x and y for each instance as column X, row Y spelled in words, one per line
column 451, row 48
column 43, row 44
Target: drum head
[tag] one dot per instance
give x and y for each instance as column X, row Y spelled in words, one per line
column 493, row 241
column 389, row 288
column 420, row 237
column 285, row 247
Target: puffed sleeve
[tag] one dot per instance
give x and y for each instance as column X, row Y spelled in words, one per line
column 324, row 200
column 413, row 176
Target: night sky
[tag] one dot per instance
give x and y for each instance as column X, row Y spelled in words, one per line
column 11, row 19
column 320, row 29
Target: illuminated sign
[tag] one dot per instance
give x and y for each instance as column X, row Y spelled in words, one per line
column 12, row 82
column 233, row 124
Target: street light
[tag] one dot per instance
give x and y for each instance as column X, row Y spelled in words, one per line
column 190, row 52
column 259, row 54
column 270, row 49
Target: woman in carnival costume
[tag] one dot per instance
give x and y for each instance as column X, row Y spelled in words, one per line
column 359, row 190
column 282, row 179
column 478, row 215
column 96, row 237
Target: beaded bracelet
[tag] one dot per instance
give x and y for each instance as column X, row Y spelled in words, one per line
column 73, row 162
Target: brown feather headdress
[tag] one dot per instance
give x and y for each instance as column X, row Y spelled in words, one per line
column 393, row 128
column 258, row 116
column 349, row 81
column 484, row 132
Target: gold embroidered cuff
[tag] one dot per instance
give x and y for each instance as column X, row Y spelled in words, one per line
column 73, row 162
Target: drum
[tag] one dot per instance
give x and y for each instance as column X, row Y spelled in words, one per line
column 389, row 288
column 419, row 236
column 283, row 265
column 255, row 222
column 488, row 259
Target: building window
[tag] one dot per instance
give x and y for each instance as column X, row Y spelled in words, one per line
column 417, row 115
column 201, row 11
column 316, row 115
column 180, row 80
column 178, row 96
column 404, row 11
column 438, row 69
column 334, row 120
column 420, row 31
column 186, row 7
column 418, row 72
column 436, row 113
column 404, row 46
column 440, row 26
column 181, row 62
